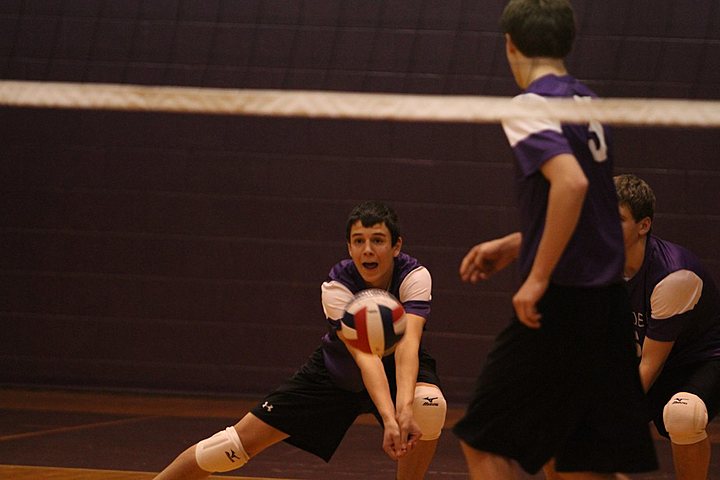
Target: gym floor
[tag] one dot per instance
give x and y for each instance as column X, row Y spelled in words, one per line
column 86, row 435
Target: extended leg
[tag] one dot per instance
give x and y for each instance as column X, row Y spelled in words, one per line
column 227, row 450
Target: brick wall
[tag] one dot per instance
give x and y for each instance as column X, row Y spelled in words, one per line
column 185, row 252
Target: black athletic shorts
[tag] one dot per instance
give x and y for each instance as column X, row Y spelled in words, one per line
column 701, row 379
column 569, row 390
column 315, row 413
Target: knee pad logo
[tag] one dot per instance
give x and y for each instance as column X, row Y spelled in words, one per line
column 430, row 402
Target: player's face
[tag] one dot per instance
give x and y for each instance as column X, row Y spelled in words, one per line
column 633, row 231
column 373, row 254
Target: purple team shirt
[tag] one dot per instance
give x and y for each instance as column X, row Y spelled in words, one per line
column 594, row 255
column 696, row 332
column 338, row 361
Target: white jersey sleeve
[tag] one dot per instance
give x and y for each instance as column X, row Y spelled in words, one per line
column 518, row 130
column 335, row 296
column 675, row 294
column 417, row 285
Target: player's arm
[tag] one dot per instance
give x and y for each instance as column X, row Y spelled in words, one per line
column 654, row 354
column 376, row 383
column 568, row 186
column 406, row 371
column 487, row 258
column 673, row 296
column 335, row 297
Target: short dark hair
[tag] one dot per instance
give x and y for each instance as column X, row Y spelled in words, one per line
column 540, row 28
column 371, row 213
column 636, row 195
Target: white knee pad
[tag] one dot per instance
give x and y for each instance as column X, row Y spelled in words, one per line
column 222, row 452
column 685, row 418
column 429, row 408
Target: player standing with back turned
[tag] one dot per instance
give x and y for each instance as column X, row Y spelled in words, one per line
column 560, row 380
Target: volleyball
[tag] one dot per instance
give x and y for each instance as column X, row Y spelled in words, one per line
column 374, row 322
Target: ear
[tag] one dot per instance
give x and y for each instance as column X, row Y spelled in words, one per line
column 397, row 247
column 644, row 226
column 509, row 45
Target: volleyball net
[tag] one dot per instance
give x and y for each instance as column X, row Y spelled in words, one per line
column 358, row 106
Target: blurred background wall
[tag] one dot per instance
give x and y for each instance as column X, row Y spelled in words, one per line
column 184, row 253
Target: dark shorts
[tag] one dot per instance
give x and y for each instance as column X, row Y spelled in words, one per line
column 569, row 390
column 701, row 379
column 315, row 413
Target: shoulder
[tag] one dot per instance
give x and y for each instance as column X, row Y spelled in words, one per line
column 342, row 282
column 410, row 271
column 346, row 273
column 417, row 285
column 405, row 263
column 518, row 130
column 664, row 257
column 335, row 297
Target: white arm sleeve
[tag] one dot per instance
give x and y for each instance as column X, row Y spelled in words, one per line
column 518, row 130
column 416, row 286
column 335, row 297
column 677, row 293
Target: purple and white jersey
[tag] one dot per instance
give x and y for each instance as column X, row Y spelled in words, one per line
column 595, row 254
column 675, row 299
column 411, row 284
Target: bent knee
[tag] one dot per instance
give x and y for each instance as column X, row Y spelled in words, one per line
column 222, row 452
column 685, row 417
column 429, row 409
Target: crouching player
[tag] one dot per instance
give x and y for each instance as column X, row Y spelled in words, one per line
column 677, row 326
column 314, row 408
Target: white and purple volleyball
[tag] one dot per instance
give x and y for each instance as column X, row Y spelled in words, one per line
column 374, row 322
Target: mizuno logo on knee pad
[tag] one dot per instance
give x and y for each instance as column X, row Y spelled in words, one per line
column 222, row 452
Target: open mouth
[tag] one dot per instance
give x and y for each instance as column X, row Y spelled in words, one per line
column 370, row 265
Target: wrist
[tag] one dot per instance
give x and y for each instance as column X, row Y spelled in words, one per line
column 404, row 407
column 388, row 419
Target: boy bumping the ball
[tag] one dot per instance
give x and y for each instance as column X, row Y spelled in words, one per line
column 314, row 408
column 560, row 379
column 676, row 305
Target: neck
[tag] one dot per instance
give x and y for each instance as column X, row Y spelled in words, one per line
column 537, row 67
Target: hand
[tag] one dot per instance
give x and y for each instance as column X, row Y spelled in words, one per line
column 525, row 301
column 487, row 258
column 392, row 444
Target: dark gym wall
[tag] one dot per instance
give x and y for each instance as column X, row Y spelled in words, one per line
column 185, row 252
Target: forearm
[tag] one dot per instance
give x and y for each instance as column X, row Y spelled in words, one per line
column 648, row 375
column 407, row 362
column 654, row 355
column 406, row 372
column 512, row 242
column 376, row 383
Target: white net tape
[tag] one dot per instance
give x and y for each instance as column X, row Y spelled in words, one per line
column 361, row 106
